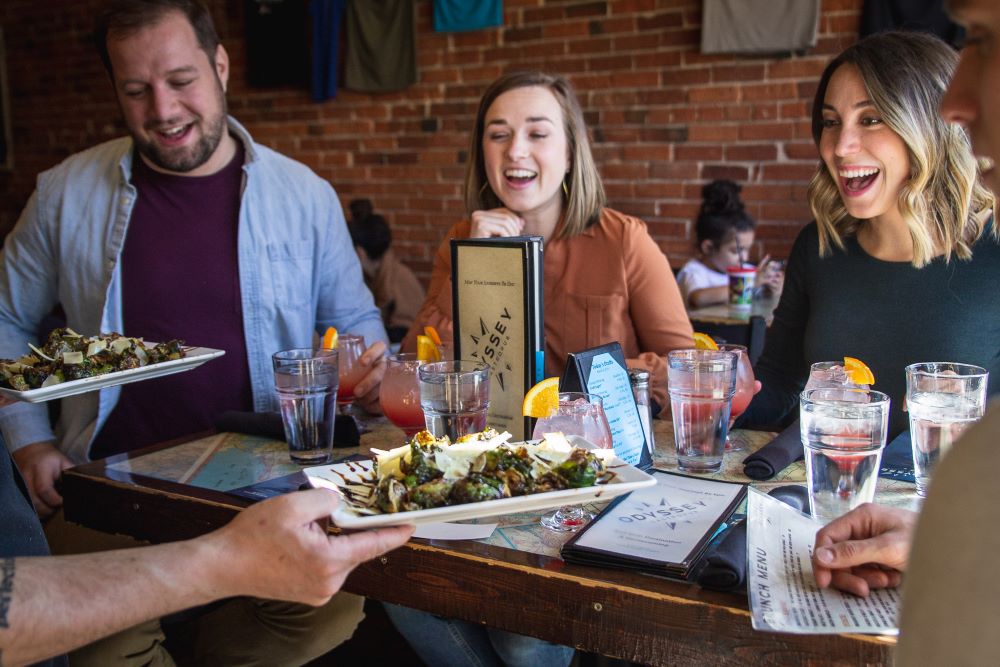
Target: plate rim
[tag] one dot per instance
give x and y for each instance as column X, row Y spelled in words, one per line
column 195, row 357
column 344, row 516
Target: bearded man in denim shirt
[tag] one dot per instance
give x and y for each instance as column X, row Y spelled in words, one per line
column 185, row 229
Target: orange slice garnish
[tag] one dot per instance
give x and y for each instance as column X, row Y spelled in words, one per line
column 858, row 372
column 542, row 399
column 330, row 339
column 432, row 333
column 427, row 350
column 704, row 342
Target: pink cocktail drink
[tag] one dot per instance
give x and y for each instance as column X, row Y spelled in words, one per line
column 400, row 393
column 582, row 415
column 577, row 416
column 744, row 391
column 350, row 349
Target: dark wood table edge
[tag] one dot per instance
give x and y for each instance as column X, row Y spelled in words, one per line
column 613, row 612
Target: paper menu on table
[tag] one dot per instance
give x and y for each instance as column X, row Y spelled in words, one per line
column 783, row 593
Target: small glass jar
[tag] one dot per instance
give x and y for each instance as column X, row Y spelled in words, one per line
column 639, row 379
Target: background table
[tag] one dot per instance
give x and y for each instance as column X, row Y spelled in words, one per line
column 514, row 580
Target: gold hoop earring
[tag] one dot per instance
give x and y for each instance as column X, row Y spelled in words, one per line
column 565, row 189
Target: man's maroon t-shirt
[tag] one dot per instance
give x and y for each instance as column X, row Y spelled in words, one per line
column 180, row 279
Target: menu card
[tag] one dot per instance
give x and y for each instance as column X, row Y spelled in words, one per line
column 497, row 303
column 783, row 592
column 662, row 529
column 602, row 371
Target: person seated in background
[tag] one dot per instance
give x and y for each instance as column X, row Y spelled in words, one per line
column 951, row 601
column 531, row 172
column 167, row 233
column 725, row 234
column 895, row 269
column 397, row 292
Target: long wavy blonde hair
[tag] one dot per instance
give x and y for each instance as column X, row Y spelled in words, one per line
column 584, row 191
column 943, row 201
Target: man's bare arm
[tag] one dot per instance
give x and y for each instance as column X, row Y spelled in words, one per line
column 276, row 550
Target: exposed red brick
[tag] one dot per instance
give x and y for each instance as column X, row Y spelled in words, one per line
column 664, row 117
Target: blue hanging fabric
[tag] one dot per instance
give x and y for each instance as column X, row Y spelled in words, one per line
column 326, row 19
column 465, row 15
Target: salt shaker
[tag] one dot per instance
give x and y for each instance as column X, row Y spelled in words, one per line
column 639, row 379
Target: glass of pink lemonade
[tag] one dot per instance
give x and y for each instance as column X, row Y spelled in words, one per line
column 350, row 347
column 400, row 393
column 583, row 415
column 744, row 391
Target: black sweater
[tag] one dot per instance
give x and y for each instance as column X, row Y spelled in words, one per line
column 888, row 314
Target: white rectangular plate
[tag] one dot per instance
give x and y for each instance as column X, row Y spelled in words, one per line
column 340, row 475
column 194, row 357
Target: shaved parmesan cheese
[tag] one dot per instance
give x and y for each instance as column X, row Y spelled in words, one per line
column 72, row 357
column 96, row 346
column 40, row 353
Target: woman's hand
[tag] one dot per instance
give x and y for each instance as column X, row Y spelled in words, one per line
column 771, row 275
column 495, row 222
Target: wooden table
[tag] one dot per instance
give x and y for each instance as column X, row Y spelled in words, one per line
column 724, row 314
column 615, row 613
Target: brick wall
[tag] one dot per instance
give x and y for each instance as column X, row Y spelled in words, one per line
column 665, row 118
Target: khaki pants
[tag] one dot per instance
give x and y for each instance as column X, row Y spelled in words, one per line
column 240, row 631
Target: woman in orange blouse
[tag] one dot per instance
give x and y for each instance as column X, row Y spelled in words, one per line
column 531, row 172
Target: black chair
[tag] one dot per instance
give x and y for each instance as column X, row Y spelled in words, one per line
column 750, row 335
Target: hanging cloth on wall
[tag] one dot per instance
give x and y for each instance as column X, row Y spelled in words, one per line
column 327, row 16
column 923, row 15
column 758, row 26
column 465, row 15
column 381, row 50
column 277, row 42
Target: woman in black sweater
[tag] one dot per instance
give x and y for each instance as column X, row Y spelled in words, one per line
column 898, row 266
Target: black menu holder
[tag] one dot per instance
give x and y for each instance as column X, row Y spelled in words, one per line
column 497, row 304
column 663, row 529
column 602, row 371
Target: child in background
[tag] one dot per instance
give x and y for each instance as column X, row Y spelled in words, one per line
column 725, row 233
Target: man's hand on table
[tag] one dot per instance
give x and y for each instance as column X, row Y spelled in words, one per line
column 866, row 548
column 41, row 464
column 366, row 391
column 279, row 549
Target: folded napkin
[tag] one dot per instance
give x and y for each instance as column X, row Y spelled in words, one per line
column 724, row 565
column 269, row 425
column 775, row 456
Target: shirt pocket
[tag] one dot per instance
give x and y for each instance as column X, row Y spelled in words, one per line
column 291, row 266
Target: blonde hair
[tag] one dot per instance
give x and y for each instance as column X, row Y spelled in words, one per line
column 906, row 75
column 584, row 191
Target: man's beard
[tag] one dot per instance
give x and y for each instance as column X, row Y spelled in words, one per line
column 188, row 158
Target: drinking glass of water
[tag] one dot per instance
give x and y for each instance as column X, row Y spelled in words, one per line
column 455, row 396
column 943, row 400
column 844, row 432
column 306, row 381
column 701, row 384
